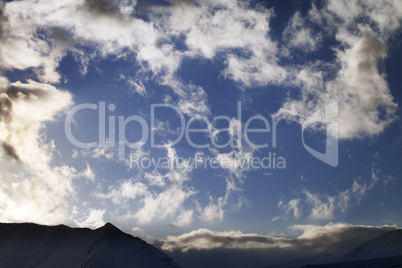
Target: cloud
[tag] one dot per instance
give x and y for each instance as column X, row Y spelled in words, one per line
column 106, row 28
column 128, row 190
column 362, row 28
column 89, row 173
column 3, row 21
column 293, row 207
column 139, row 232
column 192, row 99
column 33, row 188
column 321, row 210
column 322, row 207
column 23, row 109
column 210, row 30
column 26, row 21
column 165, row 194
column 237, row 249
column 9, row 151
column 103, row 7
column 93, row 219
column 298, row 35
column 137, row 86
column 184, row 219
column 366, row 106
column 161, row 198
column 214, row 210
column 386, row 18
column 23, row 47
column 233, row 30
column 39, row 34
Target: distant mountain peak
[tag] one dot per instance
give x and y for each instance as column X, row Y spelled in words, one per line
column 109, row 226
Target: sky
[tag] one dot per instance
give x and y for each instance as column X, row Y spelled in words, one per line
column 235, row 131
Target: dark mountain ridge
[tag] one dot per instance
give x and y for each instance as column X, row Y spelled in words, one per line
column 33, row 245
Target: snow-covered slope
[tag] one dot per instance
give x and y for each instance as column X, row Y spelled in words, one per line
column 32, row 245
column 383, row 246
column 384, row 251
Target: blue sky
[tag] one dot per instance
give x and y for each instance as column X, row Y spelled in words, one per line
column 278, row 60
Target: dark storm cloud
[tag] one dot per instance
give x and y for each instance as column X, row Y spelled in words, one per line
column 143, row 7
column 61, row 36
column 9, row 152
column 5, row 116
column 5, row 108
column 15, row 92
column 181, row 2
column 3, row 20
column 104, row 7
column 205, row 248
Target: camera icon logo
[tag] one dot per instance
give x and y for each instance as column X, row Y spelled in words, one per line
column 329, row 116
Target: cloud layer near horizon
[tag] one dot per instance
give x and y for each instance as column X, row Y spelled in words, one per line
column 237, row 249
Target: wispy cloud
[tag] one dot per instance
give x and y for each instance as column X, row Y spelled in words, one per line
column 323, row 207
column 300, row 36
column 162, row 197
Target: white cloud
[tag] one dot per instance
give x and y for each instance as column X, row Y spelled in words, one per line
column 291, row 208
column 159, row 206
column 127, row 190
column 366, row 106
column 385, row 16
column 99, row 152
column 298, row 35
column 93, row 219
column 139, row 232
column 213, row 211
column 212, row 28
column 362, row 27
column 163, row 199
column 89, row 173
column 184, row 219
column 108, row 33
column 321, row 210
column 156, row 179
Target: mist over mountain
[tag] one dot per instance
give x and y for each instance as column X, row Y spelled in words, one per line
column 32, row 245
column 383, row 251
